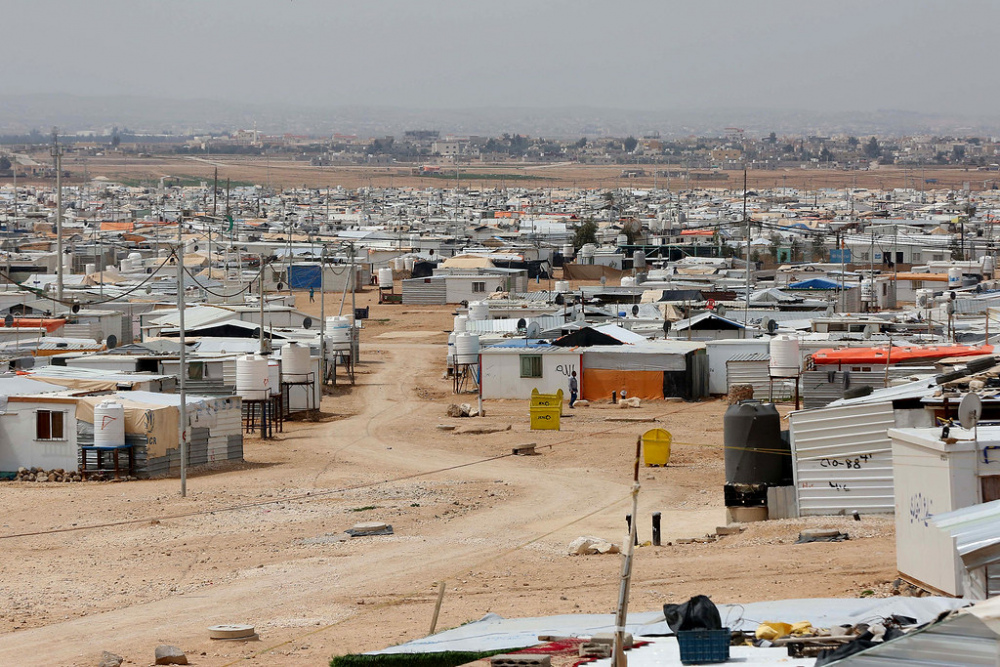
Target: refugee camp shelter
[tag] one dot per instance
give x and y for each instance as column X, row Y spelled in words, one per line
column 37, row 421
column 514, row 368
column 937, row 473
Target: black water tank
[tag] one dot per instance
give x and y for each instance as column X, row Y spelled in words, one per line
column 755, row 452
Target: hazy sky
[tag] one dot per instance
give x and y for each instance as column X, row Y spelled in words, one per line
column 644, row 54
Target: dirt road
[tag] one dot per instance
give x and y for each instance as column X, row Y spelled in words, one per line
column 258, row 542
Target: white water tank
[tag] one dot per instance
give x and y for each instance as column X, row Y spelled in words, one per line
column 109, row 424
column 954, row 277
column 408, row 263
column 252, row 382
column 627, row 281
column 294, row 362
column 562, row 286
column 623, row 239
column 568, row 251
column 90, row 268
column 385, row 277
column 274, row 377
column 338, row 333
column 466, row 348
column 989, row 266
column 587, row 254
column 639, row 260
column 451, row 348
column 398, row 264
column 785, row 360
column 479, row 310
column 461, row 323
column 135, row 256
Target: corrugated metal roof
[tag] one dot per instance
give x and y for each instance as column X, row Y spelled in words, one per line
column 976, row 531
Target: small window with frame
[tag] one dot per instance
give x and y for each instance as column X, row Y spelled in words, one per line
column 531, row 365
column 478, row 287
column 50, row 425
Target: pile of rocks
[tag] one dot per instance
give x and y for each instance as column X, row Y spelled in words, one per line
column 463, row 410
column 40, row 475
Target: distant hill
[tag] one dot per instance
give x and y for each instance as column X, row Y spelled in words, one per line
column 19, row 114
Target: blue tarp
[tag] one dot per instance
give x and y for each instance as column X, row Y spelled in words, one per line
column 304, row 277
column 815, row 283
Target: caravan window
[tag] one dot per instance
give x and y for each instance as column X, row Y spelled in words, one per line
column 478, row 287
column 531, row 365
column 49, row 425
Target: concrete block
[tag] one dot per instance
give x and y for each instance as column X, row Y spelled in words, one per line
column 521, row 660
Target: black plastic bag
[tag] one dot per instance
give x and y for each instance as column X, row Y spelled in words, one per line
column 698, row 613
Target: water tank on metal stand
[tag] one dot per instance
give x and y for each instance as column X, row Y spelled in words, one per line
column 338, row 333
column 295, row 362
column 252, row 383
column 466, row 348
column 385, row 278
column 568, row 251
column 785, row 361
column 109, row 424
column 408, row 264
column 479, row 310
column 398, row 264
column 451, row 348
column 639, row 260
column 461, row 323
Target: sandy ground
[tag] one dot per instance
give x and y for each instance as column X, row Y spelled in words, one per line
column 136, row 565
column 284, row 173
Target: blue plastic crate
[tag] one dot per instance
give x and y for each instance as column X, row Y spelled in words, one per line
column 700, row 647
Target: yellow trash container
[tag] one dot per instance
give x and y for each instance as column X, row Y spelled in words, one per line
column 656, row 447
column 545, row 410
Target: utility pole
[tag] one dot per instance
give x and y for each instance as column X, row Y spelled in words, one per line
column 746, row 221
column 322, row 311
column 261, row 312
column 57, row 159
column 182, row 374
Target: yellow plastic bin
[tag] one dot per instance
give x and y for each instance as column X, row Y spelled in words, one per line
column 545, row 410
column 656, row 447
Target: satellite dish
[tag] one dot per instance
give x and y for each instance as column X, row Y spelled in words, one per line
column 559, row 299
column 720, row 310
column 772, row 326
column 280, row 286
column 75, row 308
column 765, row 324
column 522, row 323
column 8, row 321
column 112, row 342
column 969, row 411
column 666, row 326
column 195, row 248
column 534, row 330
column 635, row 311
column 149, row 289
column 307, row 323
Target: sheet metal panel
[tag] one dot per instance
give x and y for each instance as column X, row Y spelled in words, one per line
column 822, row 387
column 962, row 640
column 753, row 369
column 842, row 459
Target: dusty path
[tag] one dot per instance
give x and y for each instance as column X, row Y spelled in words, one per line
column 495, row 529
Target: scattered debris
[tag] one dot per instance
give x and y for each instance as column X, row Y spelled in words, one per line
column 525, row 450
column 446, row 427
column 581, row 403
column 109, row 659
column 170, row 655
column 369, row 528
column 463, row 410
column 729, row 530
column 589, row 546
column 821, row 535
column 482, row 430
column 630, row 402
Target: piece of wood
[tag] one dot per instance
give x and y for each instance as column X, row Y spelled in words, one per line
column 437, row 608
